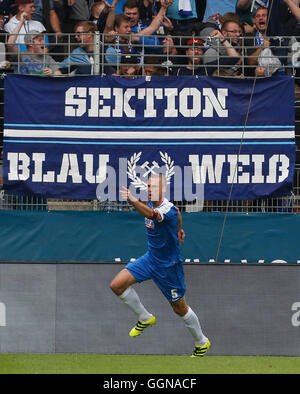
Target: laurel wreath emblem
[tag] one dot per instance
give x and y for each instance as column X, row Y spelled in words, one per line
column 136, row 181
column 131, row 166
column 169, row 166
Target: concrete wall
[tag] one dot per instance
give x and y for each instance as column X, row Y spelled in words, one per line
column 68, row 308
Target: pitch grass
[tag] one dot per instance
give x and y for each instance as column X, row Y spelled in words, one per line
column 145, row 364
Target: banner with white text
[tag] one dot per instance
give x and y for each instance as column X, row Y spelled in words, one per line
column 212, row 138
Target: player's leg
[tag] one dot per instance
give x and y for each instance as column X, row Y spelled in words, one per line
column 190, row 319
column 171, row 282
column 192, row 323
column 122, row 281
column 121, row 285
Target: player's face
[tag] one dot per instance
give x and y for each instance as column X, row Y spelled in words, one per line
column 155, row 190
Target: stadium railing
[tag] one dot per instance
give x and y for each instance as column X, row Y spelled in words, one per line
column 60, row 48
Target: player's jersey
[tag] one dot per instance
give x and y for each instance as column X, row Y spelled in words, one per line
column 163, row 245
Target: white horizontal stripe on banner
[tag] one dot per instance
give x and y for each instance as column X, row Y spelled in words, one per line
column 156, row 135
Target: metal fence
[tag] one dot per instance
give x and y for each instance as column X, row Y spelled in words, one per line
column 60, row 48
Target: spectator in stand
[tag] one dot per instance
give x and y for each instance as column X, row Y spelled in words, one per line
column 46, row 14
column 276, row 25
column 129, row 67
column 225, row 47
column 6, row 8
column 291, row 18
column 36, row 59
column 79, row 11
column 121, row 40
column 171, row 58
column 99, row 14
column 82, row 54
column 257, row 42
column 131, row 9
column 246, row 8
column 62, row 8
column 218, row 7
column 3, row 33
column 96, row 10
column 194, row 54
column 293, row 7
column 127, row 42
column 153, row 66
column 81, row 59
column 148, row 9
column 27, row 7
column 204, row 29
column 182, row 18
column 232, row 16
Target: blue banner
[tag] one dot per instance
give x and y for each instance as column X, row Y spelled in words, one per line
column 212, row 138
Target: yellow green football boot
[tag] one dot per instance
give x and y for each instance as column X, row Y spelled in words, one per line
column 140, row 326
column 200, row 351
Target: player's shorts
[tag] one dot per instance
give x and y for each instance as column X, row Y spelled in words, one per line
column 170, row 280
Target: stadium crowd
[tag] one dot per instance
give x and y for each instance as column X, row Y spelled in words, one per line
column 149, row 37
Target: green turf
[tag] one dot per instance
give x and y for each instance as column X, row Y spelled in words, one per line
column 148, row 364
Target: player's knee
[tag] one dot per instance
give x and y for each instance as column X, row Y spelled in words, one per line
column 114, row 287
column 180, row 308
column 177, row 309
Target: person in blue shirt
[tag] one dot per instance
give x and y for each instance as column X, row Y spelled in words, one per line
column 126, row 41
column 83, row 53
column 81, row 59
column 218, row 6
column 182, row 19
column 162, row 263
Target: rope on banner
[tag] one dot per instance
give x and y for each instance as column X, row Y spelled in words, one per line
column 240, row 148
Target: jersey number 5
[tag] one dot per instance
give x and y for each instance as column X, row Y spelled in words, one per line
column 174, row 293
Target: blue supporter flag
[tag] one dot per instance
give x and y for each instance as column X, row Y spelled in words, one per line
column 212, row 138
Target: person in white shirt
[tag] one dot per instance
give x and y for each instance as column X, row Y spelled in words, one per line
column 26, row 6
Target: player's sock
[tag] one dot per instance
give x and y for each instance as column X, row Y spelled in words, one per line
column 193, row 325
column 132, row 300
